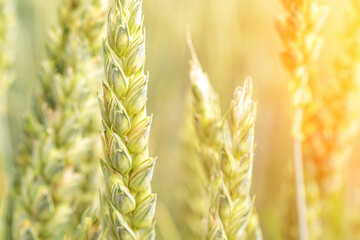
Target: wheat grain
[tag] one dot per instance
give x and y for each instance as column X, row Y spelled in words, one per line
column 127, row 169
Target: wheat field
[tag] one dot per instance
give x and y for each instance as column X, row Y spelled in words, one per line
column 107, row 131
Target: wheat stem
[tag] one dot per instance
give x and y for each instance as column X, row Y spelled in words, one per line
column 300, row 184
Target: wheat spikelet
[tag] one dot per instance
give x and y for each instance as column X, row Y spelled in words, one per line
column 129, row 204
column 60, row 134
column 299, row 32
column 89, row 227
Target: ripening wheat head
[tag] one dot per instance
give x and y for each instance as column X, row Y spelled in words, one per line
column 333, row 124
column 207, row 125
column 127, row 169
column 58, row 148
column 236, row 160
column 336, row 118
column 226, row 156
column 299, row 30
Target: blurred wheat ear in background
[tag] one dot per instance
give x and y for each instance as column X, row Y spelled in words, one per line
column 129, row 204
column 333, row 125
column 7, row 38
column 206, row 120
column 225, row 152
column 347, row 82
column 299, row 30
column 327, row 125
column 55, row 178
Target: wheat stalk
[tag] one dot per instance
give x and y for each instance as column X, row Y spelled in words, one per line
column 127, row 169
column 299, row 32
column 59, row 134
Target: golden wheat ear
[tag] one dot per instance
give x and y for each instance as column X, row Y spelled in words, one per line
column 303, row 21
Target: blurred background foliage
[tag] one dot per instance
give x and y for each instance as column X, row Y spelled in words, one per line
column 233, row 39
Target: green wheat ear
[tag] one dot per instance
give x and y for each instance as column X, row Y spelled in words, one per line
column 226, row 151
column 127, row 168
column 207, row 126
column 55, row 162
column 7, row 52
column 236, row 162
